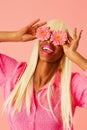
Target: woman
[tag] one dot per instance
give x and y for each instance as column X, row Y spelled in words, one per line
column 44, row 94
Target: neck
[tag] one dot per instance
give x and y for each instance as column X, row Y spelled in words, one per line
column 44, row 71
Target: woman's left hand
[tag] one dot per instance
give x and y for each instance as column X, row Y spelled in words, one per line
column 71, row 45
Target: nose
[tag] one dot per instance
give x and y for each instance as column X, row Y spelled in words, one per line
column 49, row 42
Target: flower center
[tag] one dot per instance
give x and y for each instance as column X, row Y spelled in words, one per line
column 43, row 33
column 58, row 37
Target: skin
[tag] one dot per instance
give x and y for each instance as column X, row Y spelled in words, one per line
column 27, row 33
column 46, row 69
column 71, row 50
column 46, row 66
column 55, row 56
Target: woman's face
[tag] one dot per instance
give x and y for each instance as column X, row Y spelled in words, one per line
column 49, row 52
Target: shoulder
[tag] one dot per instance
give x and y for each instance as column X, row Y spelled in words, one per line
column 79, row 89
column 9, row 66
column 6, row 60
column 9, row 62
column 78, row 84
column 78, row 79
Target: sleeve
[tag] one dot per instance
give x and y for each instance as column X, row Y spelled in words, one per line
column 79, row 89
column 7, row 66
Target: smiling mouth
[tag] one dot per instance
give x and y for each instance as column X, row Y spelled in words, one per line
column 47, row 49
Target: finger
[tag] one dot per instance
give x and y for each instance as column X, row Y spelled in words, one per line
column 75, row 33
column 32, row 38
column 39, row 25
column 79, row 35
column 69, row 37
column 65, row 47
column 34, row 22
column 24, row 29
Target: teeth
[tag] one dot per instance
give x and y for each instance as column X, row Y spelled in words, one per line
column 45, row 48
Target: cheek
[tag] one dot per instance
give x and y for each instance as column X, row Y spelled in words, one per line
column 58, row 53
column 54, row 57
column 59, row 50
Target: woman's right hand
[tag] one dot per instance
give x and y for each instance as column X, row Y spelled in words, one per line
column 28, row 33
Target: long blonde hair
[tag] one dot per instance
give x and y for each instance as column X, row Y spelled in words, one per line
column 23, row 86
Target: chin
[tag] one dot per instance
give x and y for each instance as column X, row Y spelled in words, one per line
column 48, row 60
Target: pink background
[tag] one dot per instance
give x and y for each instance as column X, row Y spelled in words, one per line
column 15, row 14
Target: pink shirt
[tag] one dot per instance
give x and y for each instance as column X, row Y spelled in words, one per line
column 40, row 117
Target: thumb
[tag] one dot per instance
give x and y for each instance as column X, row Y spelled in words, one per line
column 65, row 47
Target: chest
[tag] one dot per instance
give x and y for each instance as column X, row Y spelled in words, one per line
column 39, row 111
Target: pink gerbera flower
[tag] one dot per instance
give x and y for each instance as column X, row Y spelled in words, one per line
column 59, row 37
column 43, row 33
